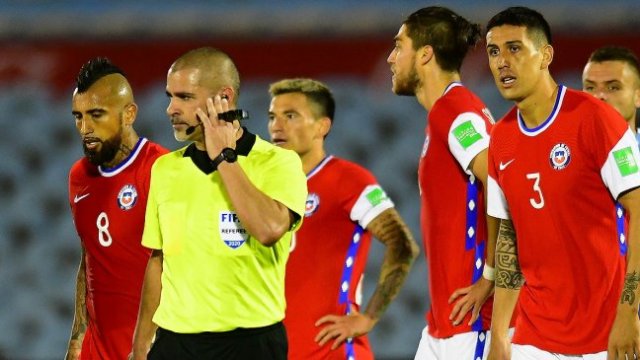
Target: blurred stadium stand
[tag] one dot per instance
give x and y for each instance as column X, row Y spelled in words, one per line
column 44, row 43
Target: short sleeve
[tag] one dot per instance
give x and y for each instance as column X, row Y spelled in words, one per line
column 151, row 236
column 620, row 171
column 286, row 181
column 373, row 200
column 496, row 202
column 467, row 138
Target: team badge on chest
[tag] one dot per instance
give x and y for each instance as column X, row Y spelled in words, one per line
column 311, row 205
column 127, row 197
column 560, row 156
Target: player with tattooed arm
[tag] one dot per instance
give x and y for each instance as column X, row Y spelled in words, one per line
column 558, row 161
column 108, row 194
column 344, row 208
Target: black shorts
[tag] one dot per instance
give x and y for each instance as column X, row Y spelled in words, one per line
column 266, row 343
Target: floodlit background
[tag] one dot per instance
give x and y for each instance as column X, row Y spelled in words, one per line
column 343, row 43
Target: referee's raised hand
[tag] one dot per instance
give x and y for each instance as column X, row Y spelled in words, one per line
column 218, row 134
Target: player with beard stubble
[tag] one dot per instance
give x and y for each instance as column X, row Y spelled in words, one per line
column 108, row 194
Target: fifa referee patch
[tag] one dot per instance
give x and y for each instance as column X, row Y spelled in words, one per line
column 625, row 161
column 232, row 233
column 466, row 134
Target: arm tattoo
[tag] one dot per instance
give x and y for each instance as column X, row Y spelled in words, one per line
column 401, row 250
column 629, row 288
column 508, row 274
column 80, row 321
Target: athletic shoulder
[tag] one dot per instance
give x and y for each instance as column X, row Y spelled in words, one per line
column 509, row 119
column 82, row 167
column 349, row 169
column 590, row 111
column 264, row 151
column 155, row 150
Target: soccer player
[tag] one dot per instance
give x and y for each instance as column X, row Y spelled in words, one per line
column 429, row 49
column 558, row 161
column 345, row 206
column 612, row 74
column 108, row 195
column 220, row 218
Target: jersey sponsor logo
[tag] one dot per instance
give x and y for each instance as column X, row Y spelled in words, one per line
column 311, row 205
column 466, row 134
column 625, row 161
column 503, row 166
column 425, row 145
column 560, row 156
column 376, row 196
column 77, row 198
column 127, row 197
column 231, row 231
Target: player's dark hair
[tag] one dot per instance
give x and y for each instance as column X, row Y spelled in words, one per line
column 536, row 25
column 317, row 92
column 616, row 53
column 94, row 70
column 449, row 34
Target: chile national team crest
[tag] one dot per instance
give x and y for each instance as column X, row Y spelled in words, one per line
column 127, row 197
column 560, row 156
column 311, row 205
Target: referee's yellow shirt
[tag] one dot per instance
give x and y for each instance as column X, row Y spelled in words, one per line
column 215, row 276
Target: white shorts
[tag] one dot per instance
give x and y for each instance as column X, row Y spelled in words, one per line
column 529, row 352
column 467, row 346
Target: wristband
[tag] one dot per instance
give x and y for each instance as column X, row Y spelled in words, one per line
column 489, row 273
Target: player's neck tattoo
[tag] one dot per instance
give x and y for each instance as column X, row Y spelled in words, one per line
column 121, row 153
column 508, row 274
column 629, row 288
column 125, row 150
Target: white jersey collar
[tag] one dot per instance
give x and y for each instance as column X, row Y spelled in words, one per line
column 109, row 172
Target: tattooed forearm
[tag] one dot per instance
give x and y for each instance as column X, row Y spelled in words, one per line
column 629, row 288
column 508, row 274
column 387, row 289
column 400, row 253
column 80, row 320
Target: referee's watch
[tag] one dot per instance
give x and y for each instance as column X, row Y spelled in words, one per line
column 228, row 154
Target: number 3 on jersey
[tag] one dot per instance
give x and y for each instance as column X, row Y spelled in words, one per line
column 536, row 203
column 102, row 223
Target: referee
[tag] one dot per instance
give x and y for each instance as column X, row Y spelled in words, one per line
column 221, row 213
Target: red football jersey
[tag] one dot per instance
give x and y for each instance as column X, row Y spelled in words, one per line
column 453, row 218
column 108, row 207
column 328, row 256
column 558, row 183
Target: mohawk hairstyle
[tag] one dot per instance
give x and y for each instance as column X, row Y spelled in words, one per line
column 94, row 70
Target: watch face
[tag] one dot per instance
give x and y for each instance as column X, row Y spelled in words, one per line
column 229, row 155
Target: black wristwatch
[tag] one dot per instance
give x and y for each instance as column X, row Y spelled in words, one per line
column 228, row 154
